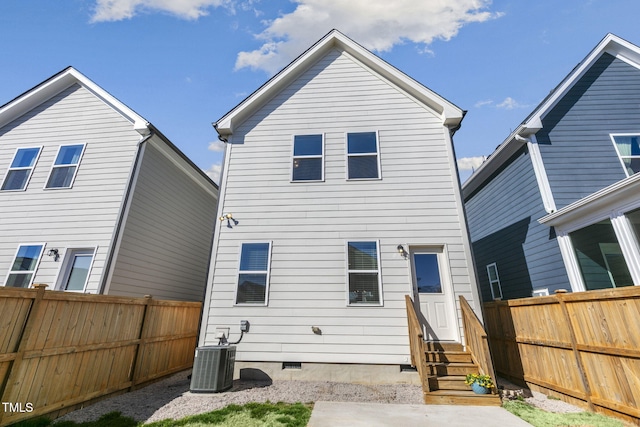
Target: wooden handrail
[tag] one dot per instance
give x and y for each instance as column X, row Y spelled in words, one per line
column 477, row 340
column 416, row 344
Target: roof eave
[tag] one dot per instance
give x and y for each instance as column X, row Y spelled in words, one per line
column 56, row 84
column 451, row 115
column 533, row 123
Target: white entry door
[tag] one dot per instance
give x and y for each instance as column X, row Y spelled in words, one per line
column 432, row 289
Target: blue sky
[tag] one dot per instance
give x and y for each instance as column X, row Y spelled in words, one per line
column 182, row 64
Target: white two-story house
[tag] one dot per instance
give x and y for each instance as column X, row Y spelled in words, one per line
column 339, row 196
column 94, row 199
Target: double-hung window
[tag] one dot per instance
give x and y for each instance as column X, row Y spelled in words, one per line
column 20, row 169
column 24, row 266
column 65, row 166
column 628, row 150
column 308, row 156
column 253, row 273
column 494, row 281
column 363, row 159
column 363, row 273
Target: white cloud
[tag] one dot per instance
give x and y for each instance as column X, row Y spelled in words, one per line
column 510, row 104
column 214, row 172
column 481, row 104
column 117, row 10
column 470, row 163
column 379, row 26
column 216, row 146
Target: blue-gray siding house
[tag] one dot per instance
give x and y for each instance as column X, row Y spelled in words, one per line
column 557, row 205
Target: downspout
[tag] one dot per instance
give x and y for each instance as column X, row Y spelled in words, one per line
column 106, row 275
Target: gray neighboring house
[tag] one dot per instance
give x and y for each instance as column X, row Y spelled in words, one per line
column 339, row 196
column 557, row 205
column 94, row 199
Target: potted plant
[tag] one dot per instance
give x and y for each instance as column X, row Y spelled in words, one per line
column 480, row 384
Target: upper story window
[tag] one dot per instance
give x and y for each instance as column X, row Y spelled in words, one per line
column 628, row 151
column 308, row 156
column 253, row 273
column 20, row 169
column 65, row 166
column 24, row 266
column 363, row 159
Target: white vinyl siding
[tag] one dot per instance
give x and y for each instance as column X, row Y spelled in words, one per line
column 309, row 224
column 165, row 244
column 87, row 214
column 21, row 168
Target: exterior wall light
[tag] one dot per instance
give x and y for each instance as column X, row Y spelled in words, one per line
column 229, row 218
column 402, row 251
column 54, row 253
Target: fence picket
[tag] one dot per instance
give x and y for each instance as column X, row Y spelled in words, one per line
column 62, row 349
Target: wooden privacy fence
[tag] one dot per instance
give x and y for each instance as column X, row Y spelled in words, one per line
column 583, row 346
column 59, row 349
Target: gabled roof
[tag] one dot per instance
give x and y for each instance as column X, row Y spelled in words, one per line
column 56, row 84
column 612, row 45
column 451, row 115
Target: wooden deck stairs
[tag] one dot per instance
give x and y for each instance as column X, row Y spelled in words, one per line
column 447, row 365
column 443, row 366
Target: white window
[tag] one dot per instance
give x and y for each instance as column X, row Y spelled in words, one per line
column 24, row 266
column 540, row 292
column 363, row 160
column 494, row 281
column 253, row 273
column 65, row 166
column 20, row 169
column 308, row 156
column 75, row 270
column 628, row 150
column 363, row 271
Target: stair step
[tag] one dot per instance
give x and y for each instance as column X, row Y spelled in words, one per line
column 448, row 382
column 445, row 369
column 460, row 397
column 443, row 346
column 448, row 356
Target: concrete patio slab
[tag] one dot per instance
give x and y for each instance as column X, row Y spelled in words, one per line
column 337, row 414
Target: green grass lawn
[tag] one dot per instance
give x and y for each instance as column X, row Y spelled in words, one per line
column 249, row 415
column 539, row 418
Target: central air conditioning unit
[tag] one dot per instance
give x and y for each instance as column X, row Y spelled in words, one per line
column 213, row 369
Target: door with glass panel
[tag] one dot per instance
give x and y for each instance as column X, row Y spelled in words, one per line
column 75, row 269
column 432, row 289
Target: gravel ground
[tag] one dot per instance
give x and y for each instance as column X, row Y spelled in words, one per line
column 171, row 398
column 540, row 400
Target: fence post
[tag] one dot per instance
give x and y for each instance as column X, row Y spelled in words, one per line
column 141, row 343
column 32, row 317
column 574, row 346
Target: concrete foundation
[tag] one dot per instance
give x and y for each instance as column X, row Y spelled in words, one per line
column 335, row 372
